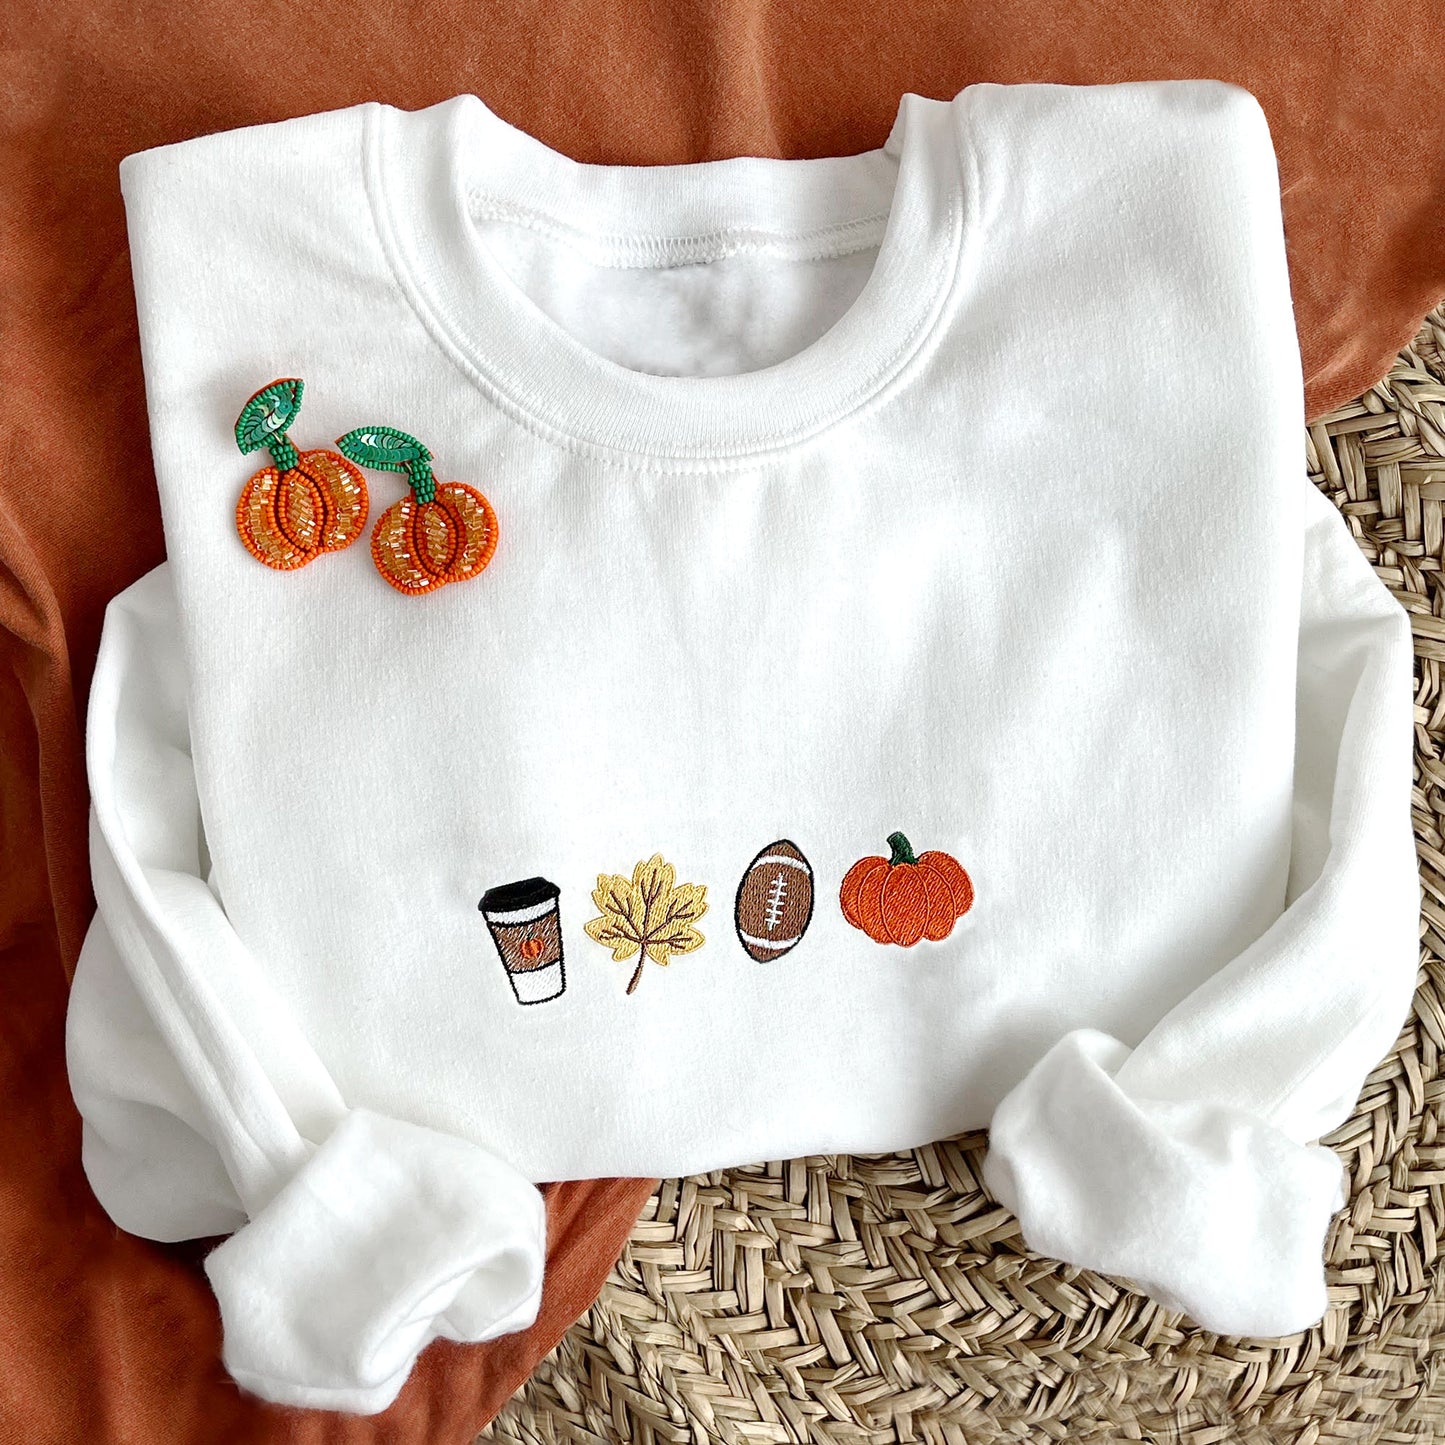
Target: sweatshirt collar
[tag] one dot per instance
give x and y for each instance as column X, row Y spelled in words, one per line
column 431, row 171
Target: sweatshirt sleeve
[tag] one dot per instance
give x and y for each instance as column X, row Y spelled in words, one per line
column 1187, row 1163
column 358, row 1237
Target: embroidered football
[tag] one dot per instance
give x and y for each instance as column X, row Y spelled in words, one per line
column 775, row 901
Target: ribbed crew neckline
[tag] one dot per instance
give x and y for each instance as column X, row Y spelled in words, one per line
column 430, row 172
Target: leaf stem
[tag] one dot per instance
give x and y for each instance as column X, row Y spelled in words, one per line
column 902, row 850
column 637, row 972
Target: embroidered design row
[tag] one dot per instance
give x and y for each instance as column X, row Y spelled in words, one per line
column 902, row 900
column 311, row 502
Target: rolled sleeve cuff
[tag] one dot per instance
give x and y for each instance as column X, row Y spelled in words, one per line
column 1208, row 1210
column 390, row 1235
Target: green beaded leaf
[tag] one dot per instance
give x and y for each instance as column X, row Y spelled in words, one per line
column 269, row 413
column 383, row 447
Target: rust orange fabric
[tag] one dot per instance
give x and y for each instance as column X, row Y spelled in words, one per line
column 104, row 1338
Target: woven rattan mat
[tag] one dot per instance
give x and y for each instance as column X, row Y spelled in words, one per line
column 886, row 1298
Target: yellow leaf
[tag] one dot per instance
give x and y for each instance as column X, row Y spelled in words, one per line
column 649, row 914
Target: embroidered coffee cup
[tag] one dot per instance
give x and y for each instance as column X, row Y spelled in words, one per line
column 527, row 929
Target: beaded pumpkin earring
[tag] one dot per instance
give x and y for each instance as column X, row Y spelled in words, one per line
column 441, row 532
column 306, row 503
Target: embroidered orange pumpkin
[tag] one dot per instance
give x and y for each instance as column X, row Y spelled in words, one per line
column 442, row 532
column 902, row 899
column 306, row 503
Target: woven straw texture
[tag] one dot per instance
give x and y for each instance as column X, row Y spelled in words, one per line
column 863, row 1300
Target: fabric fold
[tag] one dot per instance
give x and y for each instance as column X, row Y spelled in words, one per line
column 1187, row 1163
column 389, row 1236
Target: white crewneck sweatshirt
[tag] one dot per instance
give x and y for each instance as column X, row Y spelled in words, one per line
column 730, row 661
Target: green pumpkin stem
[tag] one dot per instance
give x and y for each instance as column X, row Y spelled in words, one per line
column 902, row 850
column 283, row 452
column 423, row 482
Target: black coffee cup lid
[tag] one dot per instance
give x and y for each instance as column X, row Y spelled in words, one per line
column 510, row 896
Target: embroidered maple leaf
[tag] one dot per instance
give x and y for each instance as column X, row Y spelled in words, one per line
column 649, row 915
